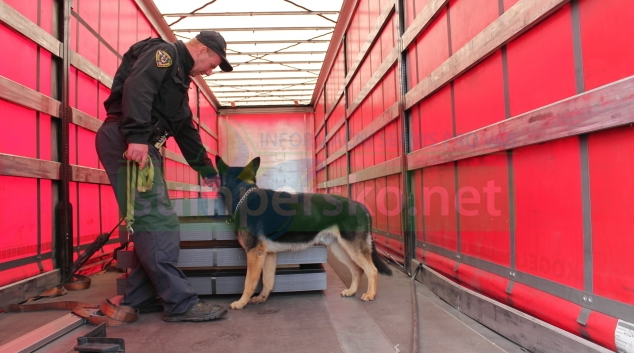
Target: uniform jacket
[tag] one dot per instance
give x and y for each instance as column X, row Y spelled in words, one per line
column 151, row 85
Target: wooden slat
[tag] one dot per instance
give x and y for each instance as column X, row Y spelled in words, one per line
column 12, row 165
column 20, row 291
column 196, row 119
column 393, row 166
column 377, row 124
column 422, row 21
column 518, row 19
column 339, row 96
column 171, row 155
column 602, row 108
column 385, row 66
column 90, row 69
column 84, row 120
column 338, row 154
column 88, row 175
column 208, row 130
column 176, row 186
column 27, row 28
column 379, row 24
column 335, row 182
column 335, row 128
column 22, row 95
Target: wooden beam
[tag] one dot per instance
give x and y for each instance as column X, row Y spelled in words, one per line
column 339, row 96
column 210, row 150
column 385, row 66
column 90, row 69
column 20, row 291
column 84, row 120
column 208, row 130
column 177, row 186
column 338, row 154
column 602, row 108
column 422, row 21
column 88, row 175
column 19, row 166
column 171, row 155
column 335, row 128
column 24, row 26
column 393, row 166
column 377, row 124
column 334, row 182
column 518, row 19
column 22, row 95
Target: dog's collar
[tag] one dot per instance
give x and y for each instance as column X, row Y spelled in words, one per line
column 231, row 218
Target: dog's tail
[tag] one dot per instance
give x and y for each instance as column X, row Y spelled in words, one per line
column 380, row 263
column 377, row 260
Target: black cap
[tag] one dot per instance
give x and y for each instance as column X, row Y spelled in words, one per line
column 214, row 41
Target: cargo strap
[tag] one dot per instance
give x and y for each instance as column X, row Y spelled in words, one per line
column 141, row 180
column 113, row 315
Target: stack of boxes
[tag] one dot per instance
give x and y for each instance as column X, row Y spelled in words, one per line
column 214, row 262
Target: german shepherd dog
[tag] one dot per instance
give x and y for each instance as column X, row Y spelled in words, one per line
column 267, row 222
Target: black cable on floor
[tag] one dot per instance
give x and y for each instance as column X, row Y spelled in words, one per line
column 415, row 346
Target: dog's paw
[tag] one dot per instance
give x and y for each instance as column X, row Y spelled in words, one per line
column 259, row 299
column 366, row 297
column 237, row 305
column 348, row 293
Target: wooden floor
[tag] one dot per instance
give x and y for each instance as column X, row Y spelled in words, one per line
column 289, row 322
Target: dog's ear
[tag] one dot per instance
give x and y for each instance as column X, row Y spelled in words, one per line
column 221, row 165
column 249, row 171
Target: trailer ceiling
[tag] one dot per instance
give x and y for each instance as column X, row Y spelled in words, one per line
column 277, row 47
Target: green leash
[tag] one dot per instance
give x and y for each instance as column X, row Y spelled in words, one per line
column 141, row 180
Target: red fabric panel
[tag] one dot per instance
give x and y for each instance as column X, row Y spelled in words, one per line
column 72, row 86
column 483, row 209
column 22, row 71
column 605, row 61
column 26, row 8
column 46, row 14
column 390, row 90
column 88, row 10
column 479, row 96
column 394, row 200
column 377, row 101
column 509, row 3
column 87, row 88
column 435, row 118
column 73, row 33
column 109, row 28
column 88, row 209
column 109, row 211
column 88, row 45
column 415, row 133
column 15, row 118
column 387, row 38
column 417, row 211
column 612, row 195
column 87, row 153
column 439, row 209
column 104, row 92
column 364, row 20
column 468, row 18
column 392, row 140
column 46, row 73
column 381, row 217
column 72, row 147
column 549, row 225
column 47, row 212
column 108, row 61
column 412, row 68
column 46, row 145
column 432, row 46
column 368, row 153
column 379, row 143
column 16, row 274
column 538, row 80
column 127, row 25
column 366, row 111
column 145, row 28
column 18, row 218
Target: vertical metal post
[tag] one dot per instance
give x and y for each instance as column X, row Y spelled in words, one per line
column 64, row 237
column 409, row 236
column 347, row 126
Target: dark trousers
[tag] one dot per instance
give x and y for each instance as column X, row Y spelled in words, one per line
column 156, row 230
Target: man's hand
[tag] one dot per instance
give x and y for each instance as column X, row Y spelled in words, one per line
column 213, row 182
column 137, row 152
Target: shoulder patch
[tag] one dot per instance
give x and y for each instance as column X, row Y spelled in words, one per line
column 163, row 59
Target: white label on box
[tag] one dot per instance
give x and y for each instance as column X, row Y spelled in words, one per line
column 624, row 337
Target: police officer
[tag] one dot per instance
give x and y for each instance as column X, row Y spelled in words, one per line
column 148, row 104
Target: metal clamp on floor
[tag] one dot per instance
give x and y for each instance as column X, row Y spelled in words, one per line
column 96, row 341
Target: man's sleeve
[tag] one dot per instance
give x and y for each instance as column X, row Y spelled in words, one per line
column 140, row 88
column 190, row 144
